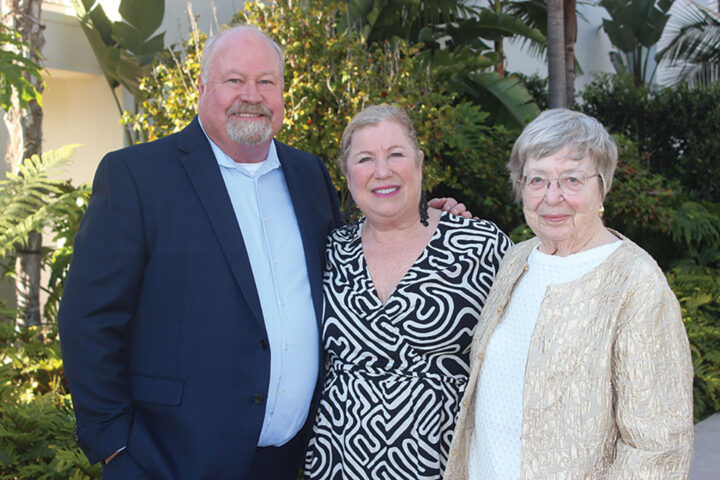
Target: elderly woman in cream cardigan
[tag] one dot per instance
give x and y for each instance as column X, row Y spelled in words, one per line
column 580, row 363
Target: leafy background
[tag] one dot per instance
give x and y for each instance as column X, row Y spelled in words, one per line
column 665, row 196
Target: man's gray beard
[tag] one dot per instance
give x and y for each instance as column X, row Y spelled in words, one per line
column 249, row 133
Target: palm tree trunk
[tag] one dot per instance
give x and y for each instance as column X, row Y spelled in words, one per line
column 500, row 66
column 25, row 140
column 556, row 54
column 637, row 66
column 570, row 23
column 498, row 6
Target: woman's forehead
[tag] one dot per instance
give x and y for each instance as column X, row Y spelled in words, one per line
column 562, row 160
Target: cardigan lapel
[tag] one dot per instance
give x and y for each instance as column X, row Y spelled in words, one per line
column 199, row 161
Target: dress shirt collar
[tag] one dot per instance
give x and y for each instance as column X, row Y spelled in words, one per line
column 271, row 162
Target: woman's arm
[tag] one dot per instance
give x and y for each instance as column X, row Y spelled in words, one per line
column 652, row 380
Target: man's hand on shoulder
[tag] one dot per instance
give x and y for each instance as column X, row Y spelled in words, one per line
column 451, row 205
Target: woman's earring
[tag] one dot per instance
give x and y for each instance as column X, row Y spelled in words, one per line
column 601, row 212
column 423, row 209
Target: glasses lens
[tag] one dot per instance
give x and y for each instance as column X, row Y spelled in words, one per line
column 572, row 182
column 569, row 183
column 535, row 182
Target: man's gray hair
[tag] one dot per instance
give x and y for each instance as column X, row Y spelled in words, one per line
column 211, row 42
column 561, row 128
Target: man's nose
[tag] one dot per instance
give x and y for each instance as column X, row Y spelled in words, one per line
column 250, row 93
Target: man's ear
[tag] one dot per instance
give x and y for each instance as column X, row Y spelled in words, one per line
column 200, row 85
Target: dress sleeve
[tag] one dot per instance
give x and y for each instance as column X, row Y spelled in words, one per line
column 503, row 244
column 652, row 381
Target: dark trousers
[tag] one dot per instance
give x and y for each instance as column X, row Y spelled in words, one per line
column 278, row 463
column 124, row 467
column 269, row 463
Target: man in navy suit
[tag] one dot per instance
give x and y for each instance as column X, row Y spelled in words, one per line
column 189, row 319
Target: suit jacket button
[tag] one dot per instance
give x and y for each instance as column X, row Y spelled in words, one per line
column 258, row 398
column 264, row 344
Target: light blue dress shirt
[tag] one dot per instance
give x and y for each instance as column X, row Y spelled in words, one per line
column 270, row 230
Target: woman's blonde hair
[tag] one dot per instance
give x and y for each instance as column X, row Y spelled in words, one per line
column 372, row 115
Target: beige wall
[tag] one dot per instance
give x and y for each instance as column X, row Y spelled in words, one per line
column 78, row 105
column 79, row 108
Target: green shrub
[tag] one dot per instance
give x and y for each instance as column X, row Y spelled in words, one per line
column 677, row 128
column 328, row 79
column 698, row 289
column 641, row 204
column 481, row 180
column 36, row 419
column 669, row 201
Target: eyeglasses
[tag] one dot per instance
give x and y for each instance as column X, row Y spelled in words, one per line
column 570, row 183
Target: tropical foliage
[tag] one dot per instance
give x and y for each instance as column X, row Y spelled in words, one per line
column 461, row 41
column 675, row 127
column 665, row 199
column 693, row 53
column 30, row 200
column 329, row 78
column 664, row 195
column 36, row 419
column 634, row 27
column 125, row 49
column 14, row 68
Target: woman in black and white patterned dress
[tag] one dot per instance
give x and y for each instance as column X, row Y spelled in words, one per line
column 403, row 291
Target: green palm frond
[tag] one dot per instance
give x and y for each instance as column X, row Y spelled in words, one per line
column 533, row 13
column 693, row 54
column 14, row 63
column 30, row 197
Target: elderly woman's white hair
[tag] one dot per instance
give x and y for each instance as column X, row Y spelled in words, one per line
column 560, row 128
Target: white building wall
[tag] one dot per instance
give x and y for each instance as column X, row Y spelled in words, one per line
column 593, row 46
column 591, row 49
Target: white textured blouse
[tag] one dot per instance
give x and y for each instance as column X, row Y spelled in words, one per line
column 495, row 448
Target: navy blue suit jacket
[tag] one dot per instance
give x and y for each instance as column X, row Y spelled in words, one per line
column 162, row 333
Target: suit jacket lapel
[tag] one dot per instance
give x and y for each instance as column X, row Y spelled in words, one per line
column 297, row 184
column 199, row 161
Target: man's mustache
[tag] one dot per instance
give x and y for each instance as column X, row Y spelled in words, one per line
column 254, row 108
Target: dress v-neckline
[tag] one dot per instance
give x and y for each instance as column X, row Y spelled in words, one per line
column 366, row 267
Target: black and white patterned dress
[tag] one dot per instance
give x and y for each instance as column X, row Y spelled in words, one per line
column 395, row 373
